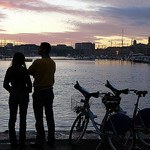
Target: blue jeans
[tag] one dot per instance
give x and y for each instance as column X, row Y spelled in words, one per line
column 44, row 99
column 18, row 100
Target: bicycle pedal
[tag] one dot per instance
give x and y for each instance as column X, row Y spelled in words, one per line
column 89, row 132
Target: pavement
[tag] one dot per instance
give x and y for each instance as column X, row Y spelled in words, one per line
column 90, row 142
column 59, row 145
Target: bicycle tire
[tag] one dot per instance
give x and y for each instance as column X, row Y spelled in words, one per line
column 123, row 142
column 78, row 129
column 144, row 136
column 142, row 121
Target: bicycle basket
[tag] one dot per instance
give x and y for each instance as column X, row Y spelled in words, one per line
column 76, row 104
column 111, row 101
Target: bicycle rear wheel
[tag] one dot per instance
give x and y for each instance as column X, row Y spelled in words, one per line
column 78, row 129
column 144, row 136
column 123, row 142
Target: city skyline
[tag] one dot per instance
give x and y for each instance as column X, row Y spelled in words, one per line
column 103, row 22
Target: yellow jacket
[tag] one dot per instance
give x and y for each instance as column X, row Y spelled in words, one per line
column 43, row 71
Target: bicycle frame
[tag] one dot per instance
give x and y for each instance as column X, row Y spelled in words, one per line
column 136, row 113
column 136, row 109
column 86, row 111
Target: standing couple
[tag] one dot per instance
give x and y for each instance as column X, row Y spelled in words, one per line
column 17, row 82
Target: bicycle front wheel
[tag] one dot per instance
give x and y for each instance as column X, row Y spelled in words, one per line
column 144, row 136
column 78, row 129
column 123, row 142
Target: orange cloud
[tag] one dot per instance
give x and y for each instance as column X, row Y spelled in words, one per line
column 6, row 4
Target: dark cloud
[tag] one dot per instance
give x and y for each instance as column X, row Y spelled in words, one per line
column 40, row 6
column 118, row 3
column 106, row 29
column 136, row 16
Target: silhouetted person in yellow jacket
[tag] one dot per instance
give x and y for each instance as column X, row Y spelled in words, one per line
column 43, row 72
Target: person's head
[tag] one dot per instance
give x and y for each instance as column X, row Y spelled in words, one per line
column 18, row 59
column 44, row 48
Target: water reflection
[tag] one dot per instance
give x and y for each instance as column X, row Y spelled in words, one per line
column 91, row 75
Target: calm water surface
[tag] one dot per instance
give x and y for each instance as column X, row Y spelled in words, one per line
column 92, row 75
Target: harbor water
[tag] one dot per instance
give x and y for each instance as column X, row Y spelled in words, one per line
column 92, row 75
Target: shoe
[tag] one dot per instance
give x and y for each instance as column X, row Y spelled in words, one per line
column 50, row 143
column 37, row 146
column 137, row 148
column 14, row 145
column 22, row 146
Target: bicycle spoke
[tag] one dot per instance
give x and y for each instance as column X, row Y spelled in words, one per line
column 125, row 141
column 144, row 136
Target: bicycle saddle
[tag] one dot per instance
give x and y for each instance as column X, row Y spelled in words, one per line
column 116, row 91
column 85, row 92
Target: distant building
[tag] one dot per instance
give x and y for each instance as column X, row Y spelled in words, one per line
column 3, row 52
column 62, row 50
column 141, row 48
column 8, row 49
column 85, row 48
column 113, row 52
column 9, row 45
column 134, row 42
column 26, row 49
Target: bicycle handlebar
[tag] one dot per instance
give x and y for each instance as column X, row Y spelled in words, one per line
column 139, row 93
column 125, row 91
column 117, row 92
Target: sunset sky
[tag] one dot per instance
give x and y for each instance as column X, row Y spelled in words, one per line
column 70, row 21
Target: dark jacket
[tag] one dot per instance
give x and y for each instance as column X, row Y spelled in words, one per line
column 17, row 80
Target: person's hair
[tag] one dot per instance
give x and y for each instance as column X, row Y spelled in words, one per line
column 46, row 46
column 18, row 60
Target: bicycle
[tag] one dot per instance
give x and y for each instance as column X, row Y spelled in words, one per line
column 140, row 117
column 121, row 137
